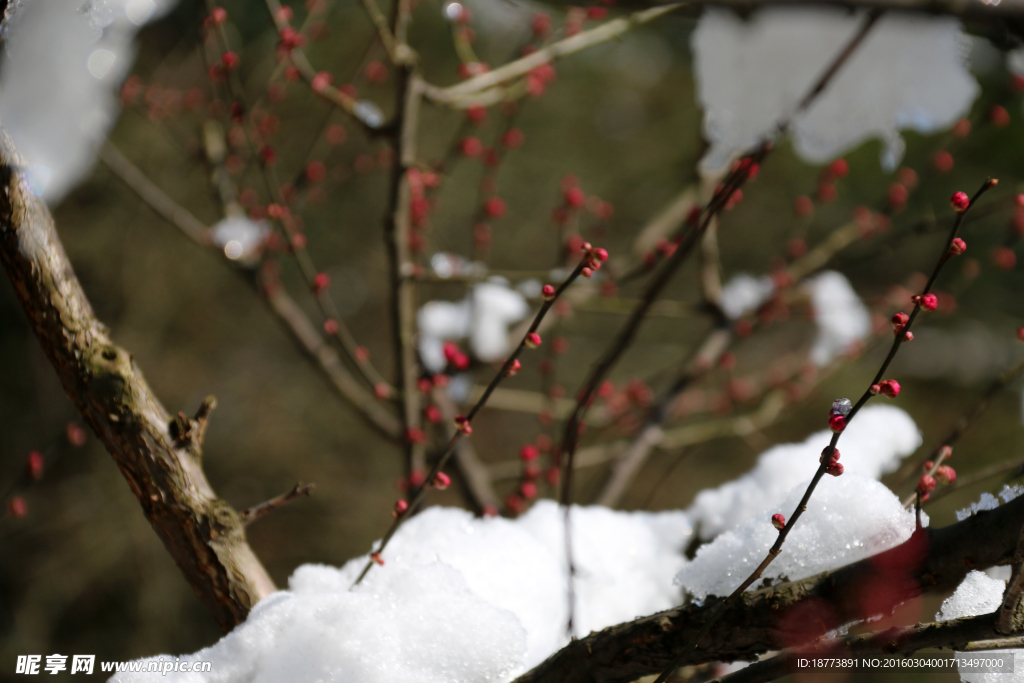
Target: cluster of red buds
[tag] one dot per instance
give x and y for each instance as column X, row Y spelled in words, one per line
column 830, row 459
column 455, row 356
column 889, row 387
column 943, row 474
column 899, row 323
column 594, row 256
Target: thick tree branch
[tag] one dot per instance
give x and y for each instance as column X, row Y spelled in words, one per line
column 932, row 560
column 203, row 533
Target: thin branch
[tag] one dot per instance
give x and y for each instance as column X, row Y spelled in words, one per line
column 250, row 515
column 475, row 474
column 964, row 423
column 203, row 533
column 282, row 305
column 483, row 88
column 508, row 368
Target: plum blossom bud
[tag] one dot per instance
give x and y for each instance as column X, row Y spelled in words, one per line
column 599, row 254
column 321, row 281
column 909, row 336
column 829, row 456
column 17, row 507
column 945, row 452
column 532, row 340
column 778, row 521
column 835, row 469
column 837, row 423
column 400, row 506
column 548, row 292
column 34, row 465
column 874, row 389
column 929, row 302
column 377, row 559
column 462, row 424
column 442, row 481
column 926, row 484
column 900, row 318
column 529, row 452
column 514, row 368
column 587, row 272
column 890, row 388
column 946, row 474
column 957, row 247
column 960, row 201
column 528, row 490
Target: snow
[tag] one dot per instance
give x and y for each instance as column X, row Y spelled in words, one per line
column 483, row 317
column 241, row 239
column 989, row 502
column 981, row 594
column 872, row 445
column 841, row 317
column 458, row 599
column 64, row 62
column 752, row 73
column 848, row 518
column 463, row 599
column 744, row 294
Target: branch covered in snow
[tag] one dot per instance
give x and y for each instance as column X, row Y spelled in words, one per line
column 932, row 560
column 159, row 456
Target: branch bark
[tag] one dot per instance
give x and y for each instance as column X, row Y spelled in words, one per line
column 162, row 463
column 755, row 623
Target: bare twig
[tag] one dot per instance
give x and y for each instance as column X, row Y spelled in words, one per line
column 475, row 474
column 250, row 515
column 483, row 89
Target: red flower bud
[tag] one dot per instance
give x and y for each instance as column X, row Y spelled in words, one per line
column 929, row 302
column 532, row 340
column 548, row 293
column 529, row 452
column 462, row 424
column 957, row 247
column 835, row 469
column 321, row 281
column 946, row 474
column 829, row 456
column 400, row 506
column 377, row 558
column 528, row 490
column 442, row 481
column 837, row 423
column 35, row 465
column 926, row 484
column 514, row 368
column 17, row 507
column 890, row 388
column 778, row 521
column 960, row 201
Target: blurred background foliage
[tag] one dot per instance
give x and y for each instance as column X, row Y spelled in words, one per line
column 82, row 572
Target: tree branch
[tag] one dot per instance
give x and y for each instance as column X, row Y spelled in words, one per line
column 203, row 533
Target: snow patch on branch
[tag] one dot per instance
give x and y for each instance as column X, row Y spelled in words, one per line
column 981, row 594
column 872, row 445
column 65, row 59
column 909, row 73
column 459, row 599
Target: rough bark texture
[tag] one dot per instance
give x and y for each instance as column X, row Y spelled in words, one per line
column 160, row 456
column 763, row 620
